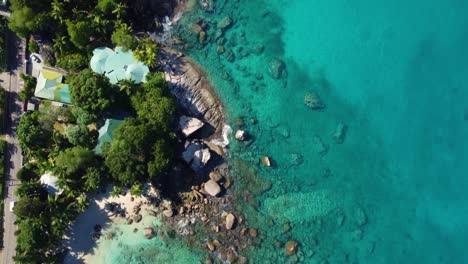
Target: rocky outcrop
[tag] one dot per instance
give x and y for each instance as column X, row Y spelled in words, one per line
column 276, row 68
column 149, row 232
column 189, row 125
column 212, row 188
column 230, row 221
column 192, row 89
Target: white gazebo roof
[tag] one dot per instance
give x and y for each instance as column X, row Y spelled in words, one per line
column 50, row 183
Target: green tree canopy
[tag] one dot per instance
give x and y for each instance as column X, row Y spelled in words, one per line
column 28, row 16
column 80, row 32
column 28, row 207
column 82, row 117
column 160, row 159
column 123, row 37
column 153, row 104
column 32, row 237
column 90, row 91
column 73, row 160
column 30, row 133
column 26, row 174
column 146, row 52
column 126, row 157
column 78, row 135
column 31, row 189
column 75, row 61
column 28, row 88
column 93, row 179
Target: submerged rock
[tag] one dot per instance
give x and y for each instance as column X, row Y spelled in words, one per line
column 276, row 68
column 212, row 188
column 319, row 146
column 230, row 221
column 189, row 125
column 149, row 232
column 360, row 216
column 137, row 218
column 202, row 37
column 240, row 135
column 291, row 247
column 313, row 101
column 266, row 161
column 340, row 133
column 224, row 23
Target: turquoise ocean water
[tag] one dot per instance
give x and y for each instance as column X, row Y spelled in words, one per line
column 396, row 73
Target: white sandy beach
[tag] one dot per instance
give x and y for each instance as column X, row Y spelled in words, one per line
column 79, row 238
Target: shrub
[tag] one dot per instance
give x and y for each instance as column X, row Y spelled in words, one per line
column 33, row 46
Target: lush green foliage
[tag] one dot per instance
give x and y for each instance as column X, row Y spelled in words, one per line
column 90, row 91
column 123, row 36
column 29, row 207
column 31, row 135
column 75, row 61
column 28, row 88
column 78, row 135
column 3, row 34
column 79, row 32
column 58, row 140
column 153, row 104
column 73, row 160
column 26, row 173
column 82, row 117
column 146, row 52
column 141, row 149
column 33, row 46
column 28, row 16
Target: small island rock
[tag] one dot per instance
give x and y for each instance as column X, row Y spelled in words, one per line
column 149, row 232
column 212, row 188
column 240, row 135
column 230, row 221
column 291, row 247
column 137, row 218
column 168, row 213
column 266, row 161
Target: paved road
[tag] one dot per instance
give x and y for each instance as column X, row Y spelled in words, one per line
column 13, row 84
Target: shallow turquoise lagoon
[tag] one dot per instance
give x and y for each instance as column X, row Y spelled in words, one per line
column 396, row 74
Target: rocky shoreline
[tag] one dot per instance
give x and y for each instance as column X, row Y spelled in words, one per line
column 191, row 87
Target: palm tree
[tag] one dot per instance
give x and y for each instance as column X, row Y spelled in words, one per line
column 119, row 10
column 60, row 43
column 57, row 11
column 127, row 85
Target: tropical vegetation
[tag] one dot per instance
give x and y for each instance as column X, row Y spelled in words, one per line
column 60, row 140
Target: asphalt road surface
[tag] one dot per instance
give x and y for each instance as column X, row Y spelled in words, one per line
column 12, row 84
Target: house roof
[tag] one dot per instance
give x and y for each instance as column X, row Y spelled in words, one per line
column 49, row 86
column 50, row 183
column 118, row 65
column 106, row 133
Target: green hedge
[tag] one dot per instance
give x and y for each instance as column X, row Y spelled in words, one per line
column 3, row 33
